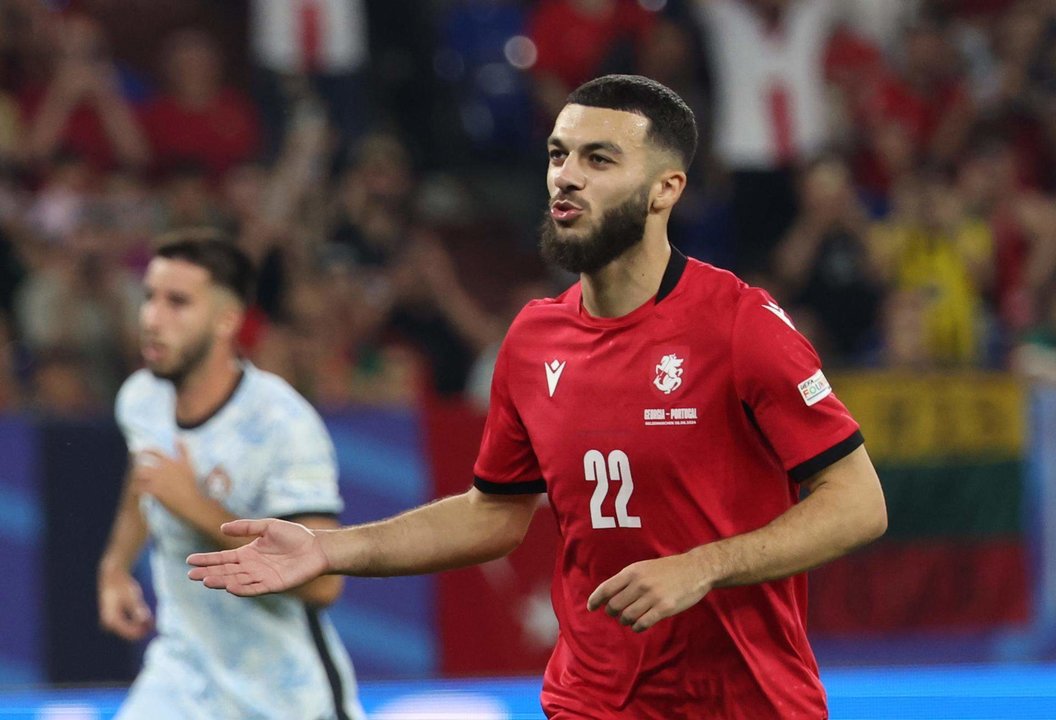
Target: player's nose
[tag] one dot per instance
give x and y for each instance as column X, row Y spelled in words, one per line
column 568, row 178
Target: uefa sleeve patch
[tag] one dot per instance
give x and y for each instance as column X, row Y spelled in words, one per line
column 815, row 388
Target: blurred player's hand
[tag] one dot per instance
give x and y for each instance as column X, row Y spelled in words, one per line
column 122, row 609
column 646, row 592
column 284, row 555
column 170, row 480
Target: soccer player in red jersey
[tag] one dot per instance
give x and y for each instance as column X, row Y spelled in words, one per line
column 673, row 415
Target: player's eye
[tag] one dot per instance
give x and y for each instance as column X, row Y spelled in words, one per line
column 600, row 159
column 556, row 155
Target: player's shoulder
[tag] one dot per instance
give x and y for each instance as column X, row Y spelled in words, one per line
column 140, row 390
column 269, row 396
column 545, row 311
column 718, row 289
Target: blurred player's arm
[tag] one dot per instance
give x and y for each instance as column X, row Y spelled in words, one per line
column 122, row 609
column 171, row 480
column 456, row 531
column 844, row 510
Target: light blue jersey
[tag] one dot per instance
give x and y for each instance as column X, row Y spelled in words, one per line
column 265, row 453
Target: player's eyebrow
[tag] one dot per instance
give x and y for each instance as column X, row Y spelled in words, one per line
column 587, row 148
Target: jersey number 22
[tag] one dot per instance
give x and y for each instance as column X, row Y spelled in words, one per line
column 617, row 469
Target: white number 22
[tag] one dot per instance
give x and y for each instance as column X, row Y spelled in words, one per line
column 617, row 469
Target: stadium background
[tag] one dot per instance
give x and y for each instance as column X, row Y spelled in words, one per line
column 383, row 162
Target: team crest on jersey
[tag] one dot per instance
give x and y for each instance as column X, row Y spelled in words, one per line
column 668, row 374
column 217, row 484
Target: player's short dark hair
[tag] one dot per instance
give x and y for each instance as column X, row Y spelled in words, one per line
column 672, row 124
column 228, row 266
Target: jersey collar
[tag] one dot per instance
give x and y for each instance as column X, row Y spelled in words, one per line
column 676, row 265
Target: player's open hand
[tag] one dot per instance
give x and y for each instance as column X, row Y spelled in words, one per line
column 284, row 555
column 646, row 592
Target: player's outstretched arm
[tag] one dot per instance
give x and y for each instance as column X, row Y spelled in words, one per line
column 844, row 510
column 454, row 532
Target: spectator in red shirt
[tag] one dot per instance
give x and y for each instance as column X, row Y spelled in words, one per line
column 198, row 118
column 81, row 108
column 578, row 39
column 927, row 101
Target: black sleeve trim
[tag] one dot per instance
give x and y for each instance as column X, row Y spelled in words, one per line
column 527, row 487
column 298, row 516
column 819, row 462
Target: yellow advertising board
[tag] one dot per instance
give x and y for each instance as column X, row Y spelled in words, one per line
column 909, row 417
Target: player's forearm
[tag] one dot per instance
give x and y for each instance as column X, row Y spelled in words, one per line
column 128, row 535
column 206, row 517
column 840, row 515
column 454, row 532
column 124, row 133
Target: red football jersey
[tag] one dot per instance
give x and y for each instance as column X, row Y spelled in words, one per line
column 686, row 421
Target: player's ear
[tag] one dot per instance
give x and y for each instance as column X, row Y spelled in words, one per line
column 669, row 187
column 229, row 318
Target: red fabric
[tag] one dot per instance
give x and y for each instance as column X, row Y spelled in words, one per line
column 504, row 595
column 781, row 123
column 911, row 585
column 920, row 112
column 572, row 45
column 254, row 325
column 223, row 133
column 647, row 451
column 311, row 30
column 1010, row 266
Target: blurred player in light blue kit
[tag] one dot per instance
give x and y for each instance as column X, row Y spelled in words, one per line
column 212, row 438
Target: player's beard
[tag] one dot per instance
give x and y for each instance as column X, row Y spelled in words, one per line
column 187, row 361
column 620, row 229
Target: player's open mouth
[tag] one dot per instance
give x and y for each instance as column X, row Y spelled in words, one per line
column 152, row 351
column 565, row 211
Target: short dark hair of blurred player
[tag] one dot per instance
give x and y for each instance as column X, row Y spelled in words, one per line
column 672, row 414
column 211, row 438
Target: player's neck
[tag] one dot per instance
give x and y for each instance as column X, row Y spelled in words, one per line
column 204, row 391
column 629, row 281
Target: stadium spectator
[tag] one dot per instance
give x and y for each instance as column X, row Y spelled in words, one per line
column 770, row 111
column 941, row 259
column 81, row 108
column 824, row 268
column 921, row 107
column 80, row 307
column 197, row 118
column 578, row 39
column 311, row 47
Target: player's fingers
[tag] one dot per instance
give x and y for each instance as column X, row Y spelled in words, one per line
column 151, row 457
column 621, row 600
column 604, row 592
column 182, row 452
column 244, row 528
column 212, row 559
column 633, row 612
column 241, row 584
column 646, row 621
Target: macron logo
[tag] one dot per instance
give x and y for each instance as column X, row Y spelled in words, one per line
column 553, row 374
column 776, row 310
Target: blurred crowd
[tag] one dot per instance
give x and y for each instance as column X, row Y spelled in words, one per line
column 885, row 169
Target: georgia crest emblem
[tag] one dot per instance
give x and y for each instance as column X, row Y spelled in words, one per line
column 668, row 374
